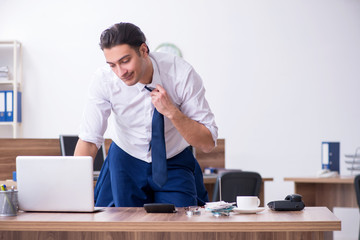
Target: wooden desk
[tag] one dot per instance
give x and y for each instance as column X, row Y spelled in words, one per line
column 135, row 223
column 329, row 192
column 210, row 180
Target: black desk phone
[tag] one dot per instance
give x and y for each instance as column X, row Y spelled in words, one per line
column 159, row 208
column 292, row 202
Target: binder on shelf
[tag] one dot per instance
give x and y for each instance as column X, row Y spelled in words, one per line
column 330, row 156
column 19, row 107
column 2, row 106
column 9, row 117
column 9, row 106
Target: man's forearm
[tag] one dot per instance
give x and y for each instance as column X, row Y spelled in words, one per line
column 196, row 134
column 85, row 149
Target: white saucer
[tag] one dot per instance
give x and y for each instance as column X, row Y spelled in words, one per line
column 256, row 210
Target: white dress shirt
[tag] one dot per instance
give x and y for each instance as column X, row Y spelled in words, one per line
column 133, row 110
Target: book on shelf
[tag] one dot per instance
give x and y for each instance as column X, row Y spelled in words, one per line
column 4, row 69
column 4, row 73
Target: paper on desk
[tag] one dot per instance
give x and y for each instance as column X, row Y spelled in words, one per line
column 218, row 205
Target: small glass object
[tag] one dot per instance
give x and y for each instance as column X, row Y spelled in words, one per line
column 192, row 210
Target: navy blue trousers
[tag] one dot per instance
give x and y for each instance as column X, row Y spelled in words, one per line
column 125, row 181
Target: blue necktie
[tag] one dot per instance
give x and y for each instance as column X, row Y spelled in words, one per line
column 158, row 151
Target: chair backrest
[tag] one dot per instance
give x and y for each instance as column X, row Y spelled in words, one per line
column 230, row 184
column 357, row 189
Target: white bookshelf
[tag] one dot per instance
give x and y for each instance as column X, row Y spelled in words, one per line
column 14, row 82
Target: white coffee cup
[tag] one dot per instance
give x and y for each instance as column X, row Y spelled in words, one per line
column 247, row 202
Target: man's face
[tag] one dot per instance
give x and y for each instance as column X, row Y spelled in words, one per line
column 128, row 64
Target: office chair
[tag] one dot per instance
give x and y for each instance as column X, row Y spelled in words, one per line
column 236, row 183
column 357, row 191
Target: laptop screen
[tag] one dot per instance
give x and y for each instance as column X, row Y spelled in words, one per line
column 55, row 183
column 68, row 144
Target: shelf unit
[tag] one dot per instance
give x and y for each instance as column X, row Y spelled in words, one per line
column 353, row 161
column 14, row 83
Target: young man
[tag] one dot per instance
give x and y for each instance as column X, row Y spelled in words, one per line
column 133, row 86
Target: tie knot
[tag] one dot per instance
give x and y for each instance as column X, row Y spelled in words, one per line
column 149, row 88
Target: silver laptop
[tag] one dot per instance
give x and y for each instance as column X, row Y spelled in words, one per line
column 67, row 147
column 55, row 183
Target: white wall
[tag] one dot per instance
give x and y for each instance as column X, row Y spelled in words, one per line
column 281, row 76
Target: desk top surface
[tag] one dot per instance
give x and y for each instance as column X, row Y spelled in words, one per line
column 136, row 219
column 312, row 179
column 211, row 178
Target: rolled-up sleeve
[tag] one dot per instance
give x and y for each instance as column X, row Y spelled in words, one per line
column 194, row 104
column 96, row 112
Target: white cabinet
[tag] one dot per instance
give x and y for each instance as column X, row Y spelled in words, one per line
column 11, row 58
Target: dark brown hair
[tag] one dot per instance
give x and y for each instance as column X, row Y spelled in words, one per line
column 122, row 33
